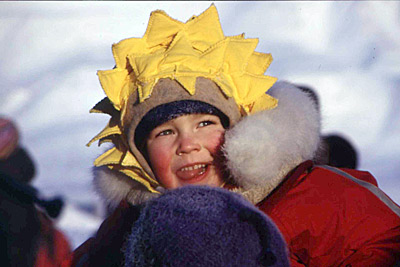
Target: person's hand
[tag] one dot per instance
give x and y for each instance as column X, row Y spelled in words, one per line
column 8, row 138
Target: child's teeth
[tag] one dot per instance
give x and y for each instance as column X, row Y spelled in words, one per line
column 195, row 167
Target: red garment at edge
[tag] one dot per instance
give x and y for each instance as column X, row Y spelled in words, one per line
column 54, row 247
column 329, row 220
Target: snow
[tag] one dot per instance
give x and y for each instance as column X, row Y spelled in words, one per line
column 349, row 52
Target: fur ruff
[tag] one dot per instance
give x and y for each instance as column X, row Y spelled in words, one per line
column 275, row 140
column 114, row 186
column 260, row 149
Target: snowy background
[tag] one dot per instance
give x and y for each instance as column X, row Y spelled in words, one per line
column 349, row 52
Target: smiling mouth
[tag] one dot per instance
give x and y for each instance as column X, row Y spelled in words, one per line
column 192, row 172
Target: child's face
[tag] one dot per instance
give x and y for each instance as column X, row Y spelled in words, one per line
column 182, row 151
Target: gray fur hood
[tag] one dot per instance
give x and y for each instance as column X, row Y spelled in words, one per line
column 260, row 149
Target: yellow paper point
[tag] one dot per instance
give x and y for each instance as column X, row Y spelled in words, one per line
column 129, row 160
column 238, row 53
column 161, row 27
column 112, row 82
column 146, row 91
column 137, row 175
column 259, row 63
column 188, row 82
column 258, row 85
column 111, row 156
column 209, row 23
column 126, row 47
column 107, row 131
column 96, row 111
column 264, row 102
column 226, row 84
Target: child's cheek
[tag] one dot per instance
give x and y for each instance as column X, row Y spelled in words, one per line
column 160, row 162
column 214, row 141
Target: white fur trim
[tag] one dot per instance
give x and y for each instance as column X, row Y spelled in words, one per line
column 114, row 186
column 262, row 148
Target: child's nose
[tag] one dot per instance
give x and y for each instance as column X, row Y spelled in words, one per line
column 187, row 145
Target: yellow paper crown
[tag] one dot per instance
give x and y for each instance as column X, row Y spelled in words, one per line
column 183, row 52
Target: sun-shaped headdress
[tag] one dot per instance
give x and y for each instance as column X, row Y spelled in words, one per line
column 182, row 52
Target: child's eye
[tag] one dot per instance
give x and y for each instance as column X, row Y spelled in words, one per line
column 165, row 132
column 206, row 123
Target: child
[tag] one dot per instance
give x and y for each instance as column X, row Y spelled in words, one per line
column 28, row 236
column 188, row 106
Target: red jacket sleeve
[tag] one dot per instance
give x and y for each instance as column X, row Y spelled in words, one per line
column 383, row 250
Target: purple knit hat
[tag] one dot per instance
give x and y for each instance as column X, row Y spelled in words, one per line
column 203, row 226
